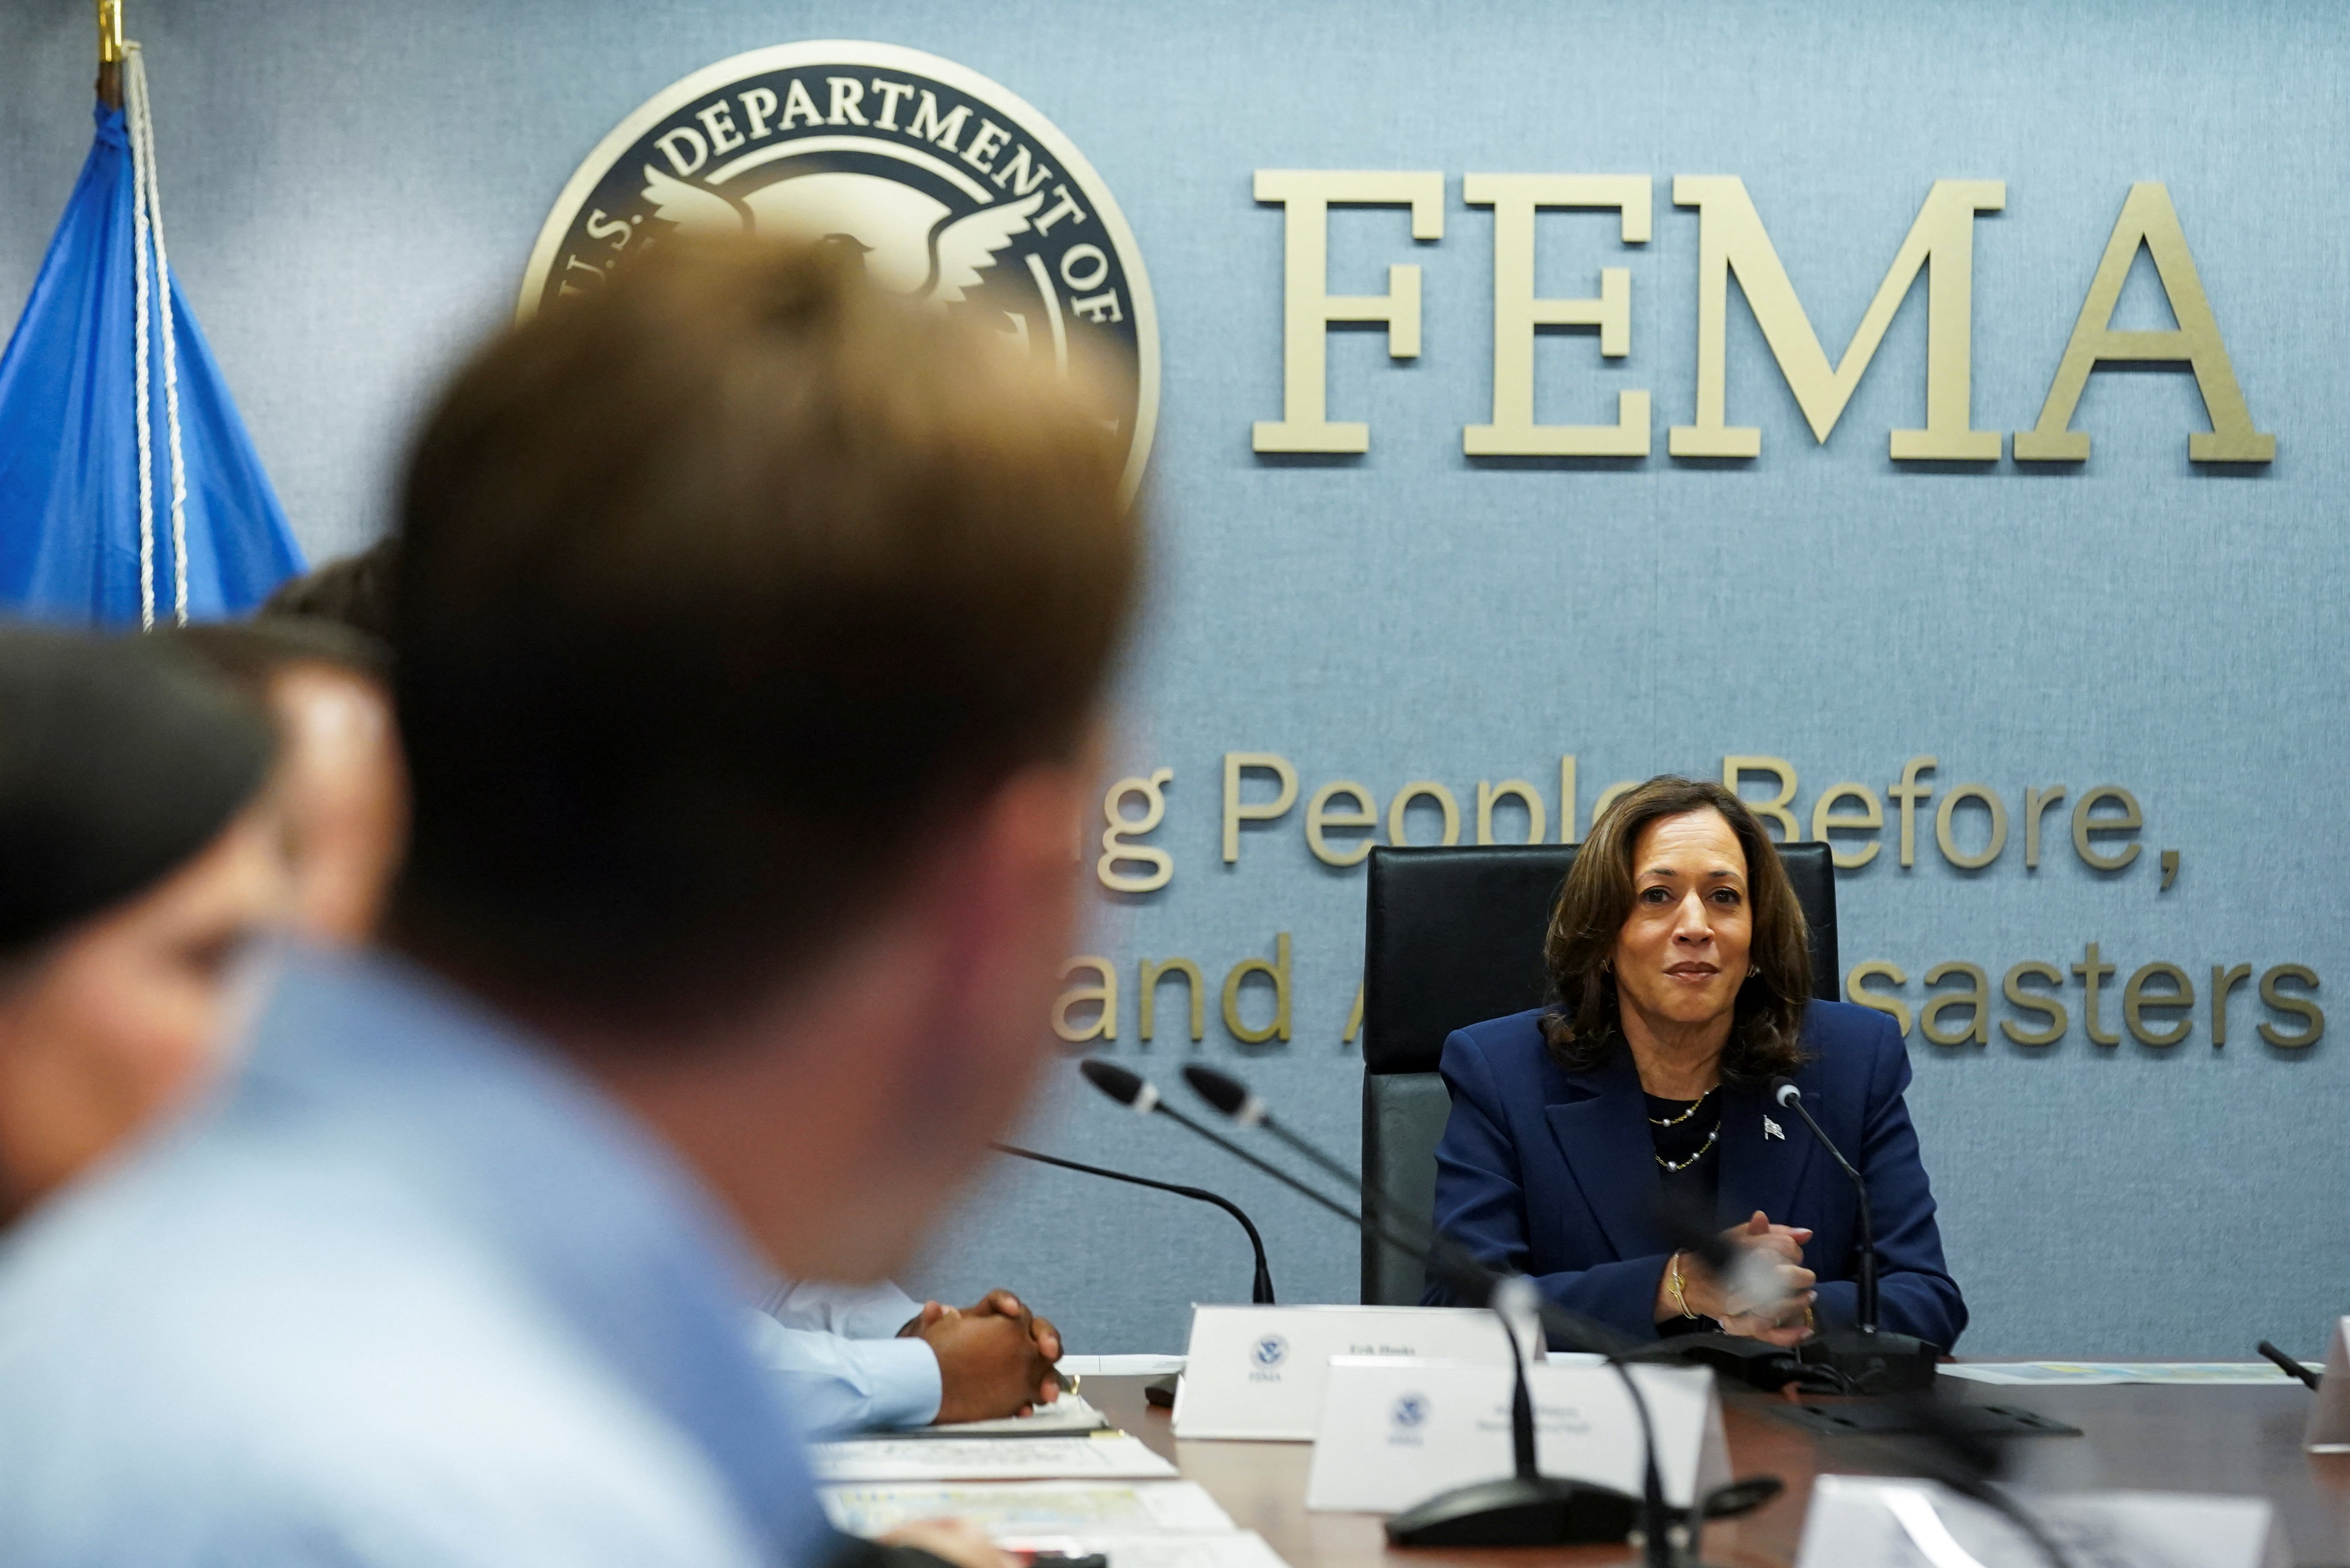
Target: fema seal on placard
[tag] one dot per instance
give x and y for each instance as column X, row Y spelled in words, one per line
column 952, row 190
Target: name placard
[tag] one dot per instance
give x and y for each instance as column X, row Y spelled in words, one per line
column 2329, row 1420
column 1855, row 1520
column 1259, row 1371
column 1396, row 1431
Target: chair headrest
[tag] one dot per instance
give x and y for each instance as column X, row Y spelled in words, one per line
column 1453, row 936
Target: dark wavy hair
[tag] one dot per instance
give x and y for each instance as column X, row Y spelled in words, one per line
column 1583, row 1026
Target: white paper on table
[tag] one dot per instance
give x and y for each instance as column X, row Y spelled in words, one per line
column 1068, row 1414
column 1918, row 1524
column 2097, row 1374
column 1240, row 1548
column 1120, row 1365
column 1008, row 1508
column 1107, row 1456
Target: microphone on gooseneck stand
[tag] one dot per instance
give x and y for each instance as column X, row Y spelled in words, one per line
column 1450, row 1261
column 1260, row 1290
column 2309, row 1379
column 1237, row 1102
column 1875, row 1362
column 1791, row 1098
column 1141, row 1096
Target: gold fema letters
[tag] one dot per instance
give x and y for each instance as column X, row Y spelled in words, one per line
column 1732, row 241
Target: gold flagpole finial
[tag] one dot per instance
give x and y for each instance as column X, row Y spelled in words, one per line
column 109, row 53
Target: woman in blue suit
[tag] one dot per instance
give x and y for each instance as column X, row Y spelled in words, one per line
column 1678, row 956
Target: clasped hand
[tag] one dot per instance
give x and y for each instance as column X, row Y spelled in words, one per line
column 995, row 1358
column 1770, row 1297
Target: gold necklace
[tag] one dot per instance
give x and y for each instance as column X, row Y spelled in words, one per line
column 1695, row 1105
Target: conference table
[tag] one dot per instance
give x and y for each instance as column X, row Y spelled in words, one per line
column 2242, row 1440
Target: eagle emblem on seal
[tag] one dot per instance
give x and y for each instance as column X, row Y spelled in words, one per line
column 948, row 188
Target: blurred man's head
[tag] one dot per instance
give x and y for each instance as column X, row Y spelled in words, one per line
column 139, row 849
column 751, row 631
column 340, row 784
column 353, row 591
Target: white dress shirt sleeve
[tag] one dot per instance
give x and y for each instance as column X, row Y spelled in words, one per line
column 841, row 1364
column 860, row 1312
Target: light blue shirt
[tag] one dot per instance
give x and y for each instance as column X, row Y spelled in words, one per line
column 835, row 1350
column 408, row 1290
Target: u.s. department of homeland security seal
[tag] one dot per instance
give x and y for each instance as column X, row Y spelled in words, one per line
column 954, row 190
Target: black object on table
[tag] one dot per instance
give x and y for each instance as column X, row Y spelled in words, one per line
column 2297, row 1368
column 1869, row 1361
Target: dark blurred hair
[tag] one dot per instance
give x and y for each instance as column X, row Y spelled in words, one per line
column 121, row 760
column 354, row 591
column 724, row 591
column 1584, row 1025
column 249, row 654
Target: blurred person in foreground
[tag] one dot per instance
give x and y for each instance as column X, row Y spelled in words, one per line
column 853, row 1358
column 751, row 631
column 140, row 852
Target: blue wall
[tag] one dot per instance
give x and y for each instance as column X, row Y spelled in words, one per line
column 351, row 194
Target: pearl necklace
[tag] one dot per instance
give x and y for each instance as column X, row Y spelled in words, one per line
column 1695, row 1105
column 1705, row 1148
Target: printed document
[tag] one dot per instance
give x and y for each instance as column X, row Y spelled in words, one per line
column 1088, row 1510
column 1105, row 1454
column 1240, row 1548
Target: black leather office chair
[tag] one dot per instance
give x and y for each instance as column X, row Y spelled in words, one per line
column 1454, row 937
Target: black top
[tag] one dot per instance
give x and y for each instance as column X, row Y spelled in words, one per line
column 1686, row 1133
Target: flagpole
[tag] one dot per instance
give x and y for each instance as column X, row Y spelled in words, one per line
column 109, row 53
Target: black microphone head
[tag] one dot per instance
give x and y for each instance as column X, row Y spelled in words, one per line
column 1227, row 1094
column 1784, row 1091
column 1127, row 1089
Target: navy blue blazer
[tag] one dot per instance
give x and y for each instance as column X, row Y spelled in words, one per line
column 1552, row 1174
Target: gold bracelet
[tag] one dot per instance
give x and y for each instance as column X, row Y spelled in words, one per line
column 1673, row 1283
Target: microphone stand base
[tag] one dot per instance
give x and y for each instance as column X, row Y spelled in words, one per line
column 1867, row 1362
column 1876, row 1363
column 1520, row 1511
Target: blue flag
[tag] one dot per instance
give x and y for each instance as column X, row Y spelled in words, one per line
column 77, row 543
